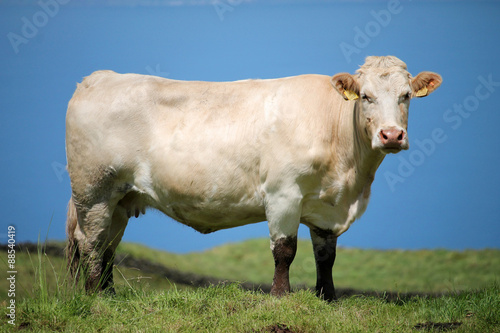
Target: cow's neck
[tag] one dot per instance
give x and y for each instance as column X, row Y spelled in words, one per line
column 356, row 158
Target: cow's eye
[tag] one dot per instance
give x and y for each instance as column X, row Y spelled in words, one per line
column 367, row 98
column 405, row 97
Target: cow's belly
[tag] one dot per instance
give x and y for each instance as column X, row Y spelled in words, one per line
column 213, row 218
column 215, row 211
column 203, row 198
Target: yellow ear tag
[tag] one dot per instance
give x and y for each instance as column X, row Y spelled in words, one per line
column 351, row 95
column 422, row 92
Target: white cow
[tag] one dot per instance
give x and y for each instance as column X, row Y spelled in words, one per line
column 216, row 155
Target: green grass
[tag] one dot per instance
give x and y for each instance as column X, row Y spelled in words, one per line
column 149, row 303
column 50, row 274
column 229, row 309
column 402, row 271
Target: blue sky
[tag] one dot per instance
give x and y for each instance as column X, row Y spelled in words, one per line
column 442, row 193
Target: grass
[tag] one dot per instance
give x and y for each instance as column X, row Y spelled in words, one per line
column 230, row 309
column 402, row 271
column 148, row 303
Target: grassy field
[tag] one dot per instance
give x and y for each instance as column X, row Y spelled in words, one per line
column 403, row 271
column 151, row 303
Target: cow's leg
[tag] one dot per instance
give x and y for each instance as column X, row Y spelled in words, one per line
column 324, row 246
column 94, row 238
column 283, row 216
column 118, row 224
column 92, row 235
column 284, row 250
column 93, row 228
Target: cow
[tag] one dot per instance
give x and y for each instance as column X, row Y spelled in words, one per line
column 216, row 155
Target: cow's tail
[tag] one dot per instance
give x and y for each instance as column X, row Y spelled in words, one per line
column 72, row 251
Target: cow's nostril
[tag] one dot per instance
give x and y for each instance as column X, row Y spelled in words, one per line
column 392, row 137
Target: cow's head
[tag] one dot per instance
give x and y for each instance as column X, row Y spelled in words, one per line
column 382, row 89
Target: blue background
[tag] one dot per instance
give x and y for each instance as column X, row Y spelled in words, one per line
column 445, row 197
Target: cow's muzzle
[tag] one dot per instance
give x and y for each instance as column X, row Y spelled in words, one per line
column 393, row 140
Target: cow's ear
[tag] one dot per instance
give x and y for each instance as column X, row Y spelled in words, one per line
column 425, row 83
column 346, row 85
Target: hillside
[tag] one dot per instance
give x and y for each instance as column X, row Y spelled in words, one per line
column 251, row 263
column 395, row 270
